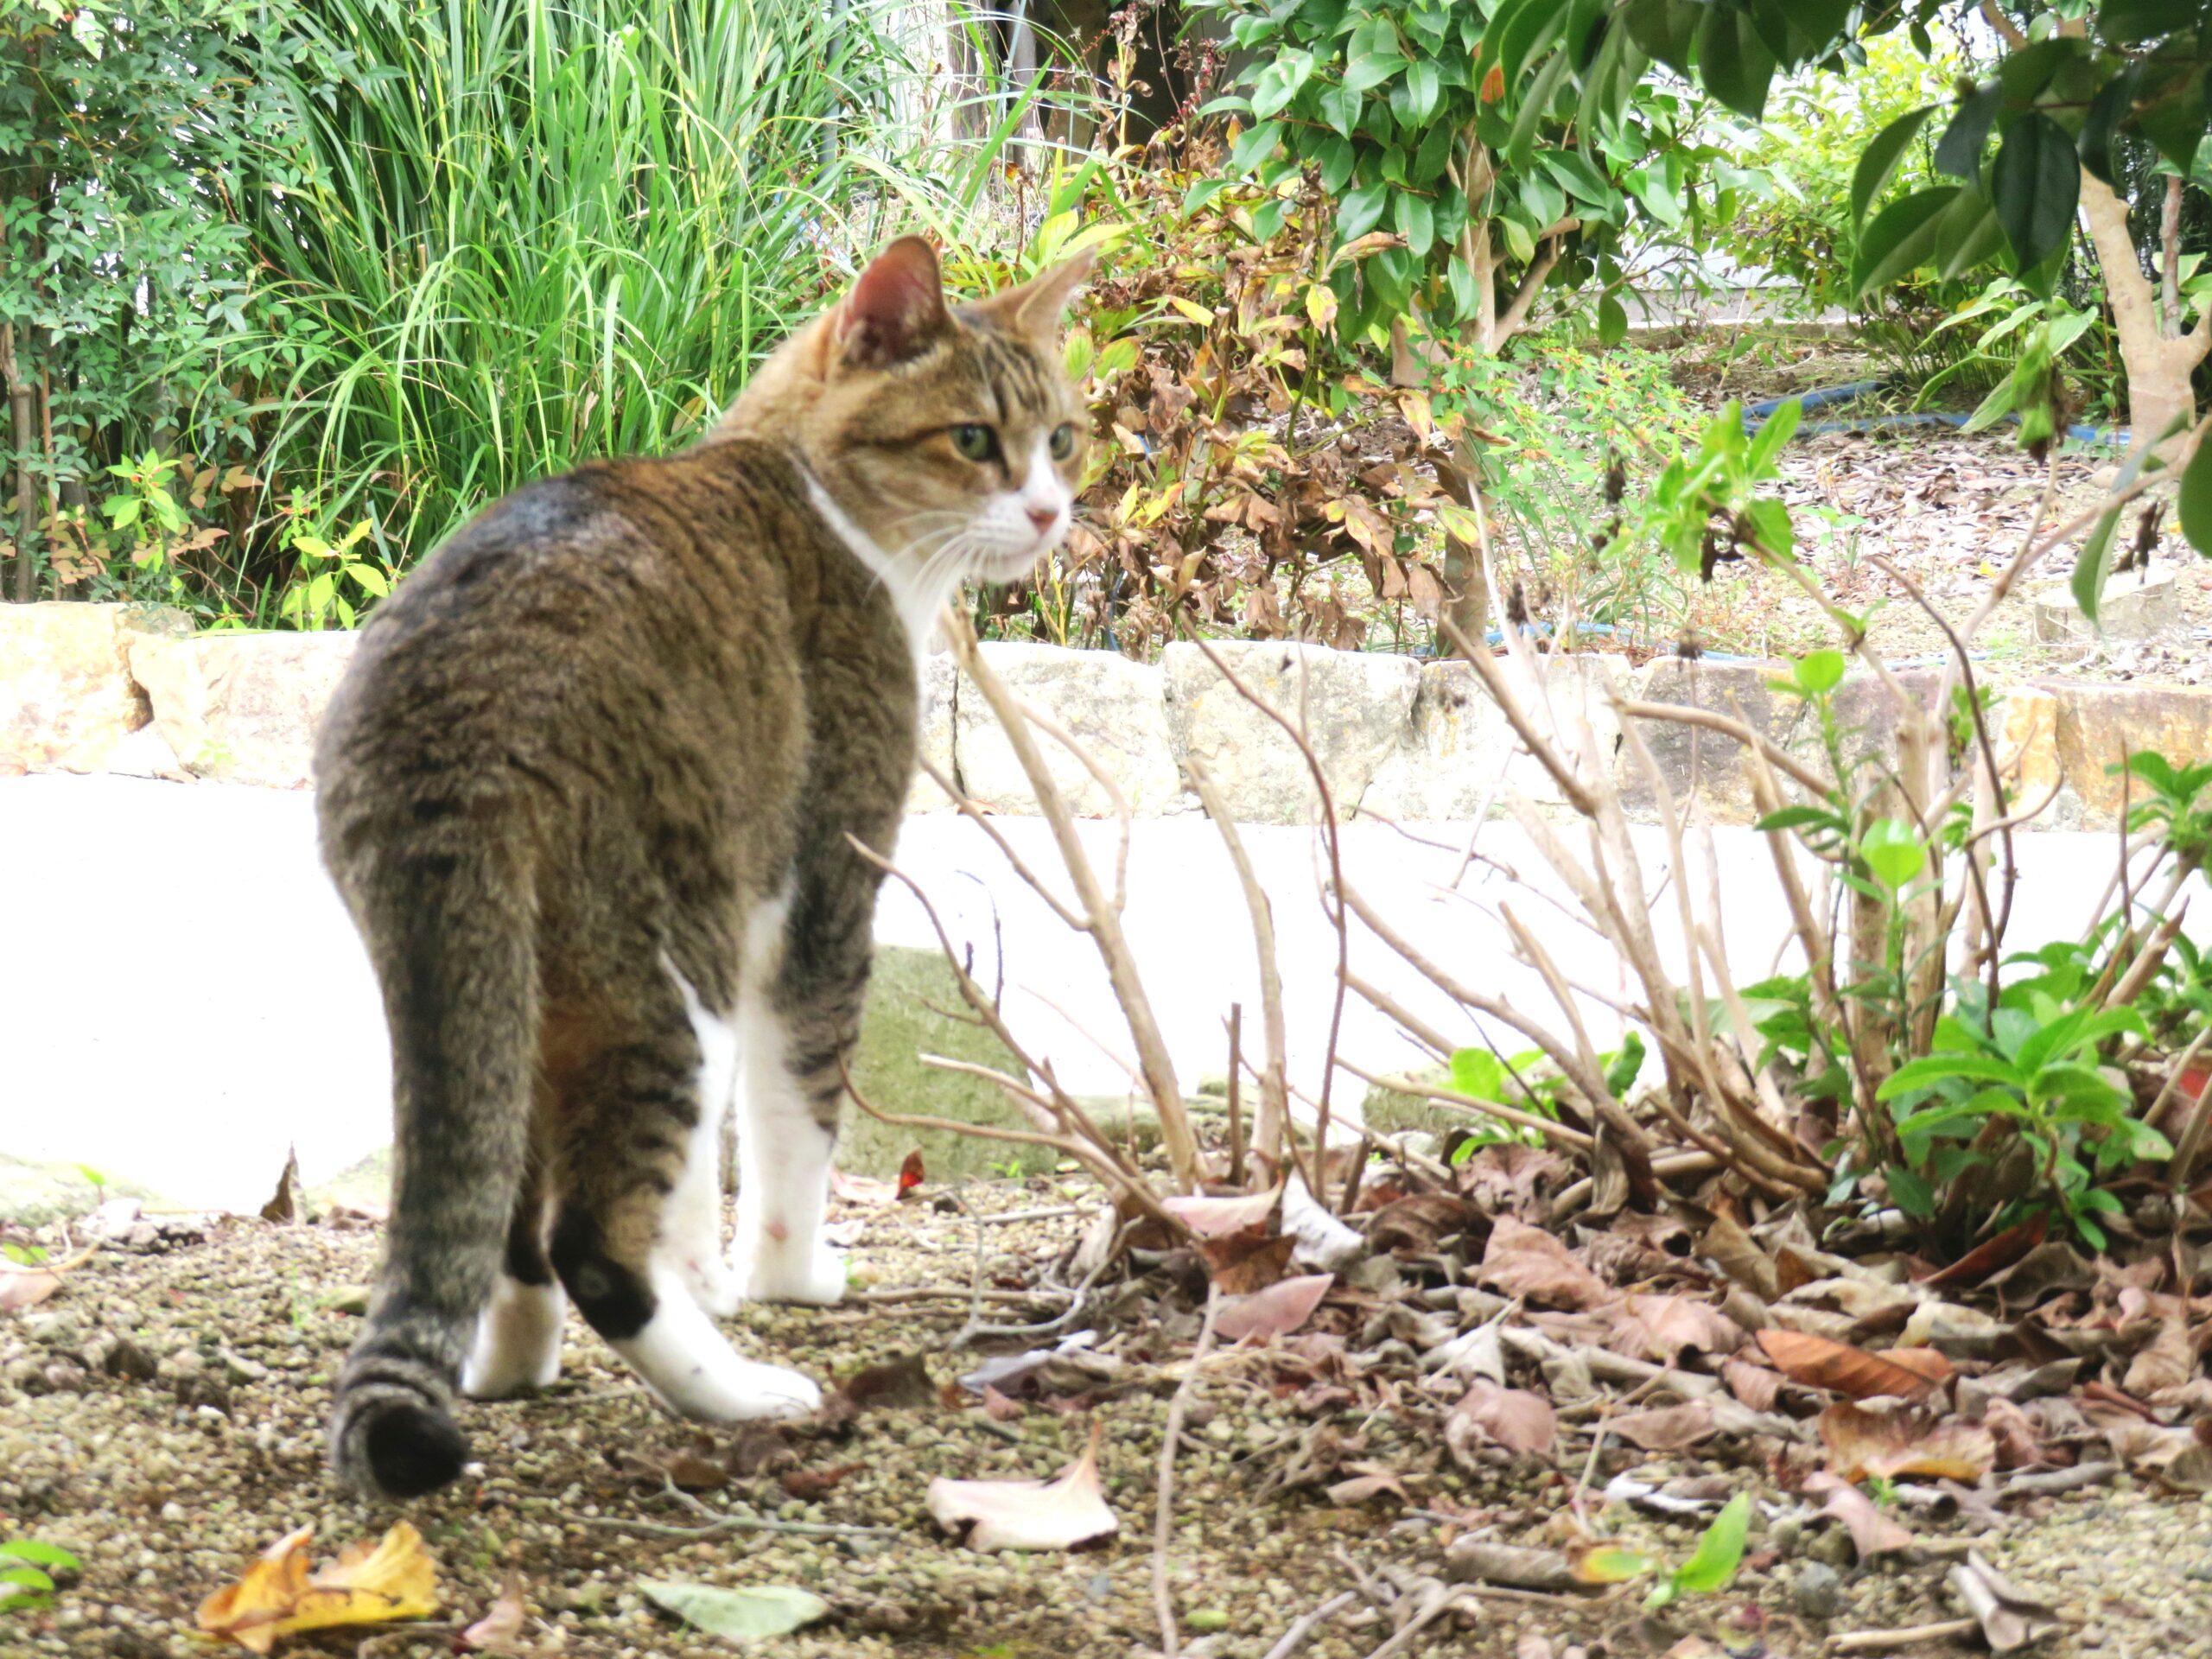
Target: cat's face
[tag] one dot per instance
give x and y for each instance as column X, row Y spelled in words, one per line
column 948, row 434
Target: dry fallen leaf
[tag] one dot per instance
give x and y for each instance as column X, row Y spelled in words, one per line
column 1216, row 1217
column 1670, row 1428
column 1058, row 1514
column 275, row 1595
column 1512, row 1418
column 1907, row 1374
column 2167, row 1360
column 1240, row 1263
column 21, row 1290
column 1755, row 1385
column 1276, row 1312
column 2008, row 1618
column 1872, row 1532
column 1528, row 1262
column 501, row 1628
column 1662, row 1327
column 862, row 1189
column 1862, row 1442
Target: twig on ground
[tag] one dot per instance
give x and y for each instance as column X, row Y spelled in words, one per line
column 1905, row 1636
column 1162, row 1600
column 1295, row 1638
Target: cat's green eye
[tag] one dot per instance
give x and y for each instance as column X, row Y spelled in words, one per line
column 974, row 441
column 1063, row 442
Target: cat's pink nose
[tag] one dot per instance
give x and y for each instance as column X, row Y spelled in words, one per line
column 1044, row 518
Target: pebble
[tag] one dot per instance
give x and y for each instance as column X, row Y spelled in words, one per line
column 1817, row 1591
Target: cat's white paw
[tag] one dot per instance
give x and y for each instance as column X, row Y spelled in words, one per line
column 718, row 1387
column 713, row 1285
column 517, row 1346
column 691, row 1368
column 781, row 1273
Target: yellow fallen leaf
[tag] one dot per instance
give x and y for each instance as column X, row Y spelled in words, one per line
column 277, row 1596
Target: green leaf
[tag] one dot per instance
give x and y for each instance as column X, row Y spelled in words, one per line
column 1335, row 156
column 1520, row 144
column 2196, row 500
column 2035, row 184
column 1893, row 852
column 2093, row 565
column 1798, row 818
column 1422, row 87
column 1732, row 61
column 1900, row 237
column 1279, row 83
column 1416, row 221
column 1340, row 109
column 40, row 1554
column 1719, row 1552
column 1361, row 211
column 1621, row 1075
column 1771, row 521
column 2110, row 107
column 1255, row 146
column 1910, row 1191
column 1613, row 322
column 1774, row 432
column 1958, row 152
column 1364, row 73
column 1612, row 1563
column 1820, row 672
column 1966, row 234
column 1880, row 158
column 2130, row 22
column 1943, row 1068
column 756, row 1611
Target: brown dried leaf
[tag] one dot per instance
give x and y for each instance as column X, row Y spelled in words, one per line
column 2168, row 1360
column 1668, row 1428
column 1058, row 1514
column 277, row 1596
column 2018, row 1446
column 1991, row 1255
column 1872, row 1532
column 1276, row 1312
column 1515, row 1419
column 1738, row 1256
column 900, row 1384
column 1662, row 1327
column 1524, row 1261
column 1247, row 1261
column 1755, row 1385
column 500, row 1629
column 1862, row 1442
column 1819, row 1363
column 21, row 1290
column 1211, row 1217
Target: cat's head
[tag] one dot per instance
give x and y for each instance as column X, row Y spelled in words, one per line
column 948, row 433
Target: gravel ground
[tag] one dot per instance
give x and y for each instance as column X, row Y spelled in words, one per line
column 161, row 1417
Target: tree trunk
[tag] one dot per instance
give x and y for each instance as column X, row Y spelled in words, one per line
column 25, row 425
column 2158, row 359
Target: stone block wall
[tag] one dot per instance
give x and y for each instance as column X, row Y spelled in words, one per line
column 131, row 689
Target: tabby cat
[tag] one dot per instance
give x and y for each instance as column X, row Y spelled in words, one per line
column 587, row 790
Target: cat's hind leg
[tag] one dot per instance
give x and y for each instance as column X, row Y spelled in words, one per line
column 693, row 1229
column 630, row 1115
column 516, row 1348
column 798, row 1022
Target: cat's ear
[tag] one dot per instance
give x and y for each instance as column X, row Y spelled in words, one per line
column 1035, row 308
column 895, row 309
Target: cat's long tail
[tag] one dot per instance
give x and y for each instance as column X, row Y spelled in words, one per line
column 451, row 930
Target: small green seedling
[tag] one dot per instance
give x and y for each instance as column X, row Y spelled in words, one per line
column 27, row 1569
column 1718, row 1554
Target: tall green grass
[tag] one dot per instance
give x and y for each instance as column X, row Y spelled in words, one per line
column 520, row 234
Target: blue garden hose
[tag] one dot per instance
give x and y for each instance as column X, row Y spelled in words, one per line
column 1757, row 415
